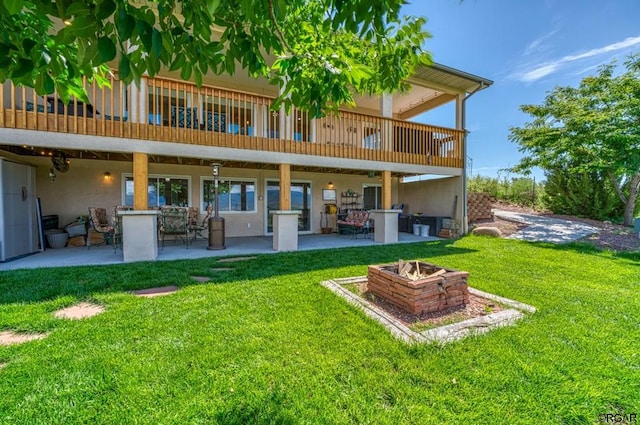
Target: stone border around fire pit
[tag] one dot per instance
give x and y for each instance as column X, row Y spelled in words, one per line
column 442, row 334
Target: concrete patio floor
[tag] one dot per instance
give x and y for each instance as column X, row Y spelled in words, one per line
column 81, row 256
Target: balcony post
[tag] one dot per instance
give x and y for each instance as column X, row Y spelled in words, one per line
column 386, row 133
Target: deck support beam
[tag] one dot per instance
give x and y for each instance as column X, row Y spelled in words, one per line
column 140, row 181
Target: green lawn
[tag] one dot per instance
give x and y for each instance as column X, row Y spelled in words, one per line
column 266, row 343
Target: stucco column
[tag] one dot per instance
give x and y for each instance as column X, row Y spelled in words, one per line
column 385, row 225
column 139, row 235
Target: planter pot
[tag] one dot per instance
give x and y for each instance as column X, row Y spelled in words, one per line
column 57, row 238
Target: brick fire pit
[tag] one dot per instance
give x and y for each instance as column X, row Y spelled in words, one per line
column 427, row 287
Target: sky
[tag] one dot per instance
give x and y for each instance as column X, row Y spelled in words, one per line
column 527, row 47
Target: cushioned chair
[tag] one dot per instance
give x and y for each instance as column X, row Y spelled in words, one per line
column 99, row 223
column 216, row 122
column 182, row 117
column 174, row 223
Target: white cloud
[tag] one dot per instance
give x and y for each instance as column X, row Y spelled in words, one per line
column 628, row 42
column 539, row 44
column 542, row 70
column 537, row 73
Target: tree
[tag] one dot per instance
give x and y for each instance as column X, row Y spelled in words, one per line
column 318, row 52
column 592, row 128
column 586, row 194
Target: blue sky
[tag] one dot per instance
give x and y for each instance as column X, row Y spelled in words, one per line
column 526, row 47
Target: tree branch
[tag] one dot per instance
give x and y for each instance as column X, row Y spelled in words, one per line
column 272, row 15
column 616, row 185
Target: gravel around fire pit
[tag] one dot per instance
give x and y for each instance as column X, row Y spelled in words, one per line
column 476, row 307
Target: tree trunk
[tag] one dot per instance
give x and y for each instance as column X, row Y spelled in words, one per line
column 630, row 205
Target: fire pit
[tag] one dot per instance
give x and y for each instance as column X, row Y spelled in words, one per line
column 418, row 287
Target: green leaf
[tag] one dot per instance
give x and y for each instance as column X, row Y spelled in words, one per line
column 44, row 84
column 124, row 68
column 78, row 9
column 83, row 26
column 23, row 68
column 156, row 43
column 13, row 6
column 106, row 49
column 125, row 24
column 212, row 6
column 185, row 74
column 105, row 9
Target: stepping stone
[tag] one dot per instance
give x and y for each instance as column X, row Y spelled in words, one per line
column 79, row 311
column 233, row 259
column 201, row 279
column 221, row 269
column 156, row 292
column 10, row 337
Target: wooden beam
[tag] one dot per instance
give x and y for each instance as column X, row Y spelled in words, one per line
column 285, row 187
column 140, row 181
column 386, row 190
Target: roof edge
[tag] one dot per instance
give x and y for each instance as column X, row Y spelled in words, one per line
column 483, row 82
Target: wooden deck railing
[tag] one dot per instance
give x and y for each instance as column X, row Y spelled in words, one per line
column 166, row 110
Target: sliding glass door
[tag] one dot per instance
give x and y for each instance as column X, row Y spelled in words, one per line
column 300, row 201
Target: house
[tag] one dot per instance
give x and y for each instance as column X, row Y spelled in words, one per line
column 153, row 144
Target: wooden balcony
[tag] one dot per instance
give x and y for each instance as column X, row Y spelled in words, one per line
column 165, row 110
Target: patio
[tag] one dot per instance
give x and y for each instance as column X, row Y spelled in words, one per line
column 81, row 256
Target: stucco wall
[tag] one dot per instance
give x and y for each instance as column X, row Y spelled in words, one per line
column 433, row 197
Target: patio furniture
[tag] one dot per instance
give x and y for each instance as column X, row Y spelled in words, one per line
column 182, row 117
column 198, row 228
column 216, row 122
column 100, row 224
column 356, row 223
column 174, row 223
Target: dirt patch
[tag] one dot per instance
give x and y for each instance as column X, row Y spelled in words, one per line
column 476, row 307
column 79, row 311
column 10, row 337
column 609, row 236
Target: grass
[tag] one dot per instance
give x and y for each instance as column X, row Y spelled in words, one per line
column 265, row 343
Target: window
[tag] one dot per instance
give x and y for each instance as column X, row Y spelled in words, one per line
column 372, row 197
column 233, row 195
column 162, row 190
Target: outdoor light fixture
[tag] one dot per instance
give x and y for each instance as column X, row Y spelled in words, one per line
column 330, row 185
column 52, row 174
column 106, row 176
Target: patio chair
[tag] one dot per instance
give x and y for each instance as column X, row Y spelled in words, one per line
column 174, row 223
column 197, row 227
column 100, row 224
